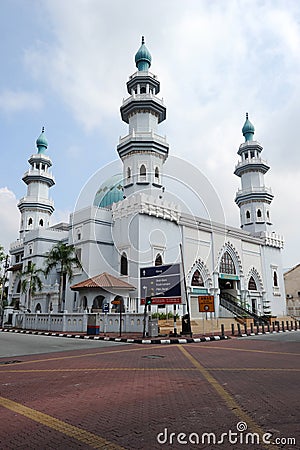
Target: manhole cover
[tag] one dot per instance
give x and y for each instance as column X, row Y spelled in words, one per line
column 14, row 361
column 153, row 356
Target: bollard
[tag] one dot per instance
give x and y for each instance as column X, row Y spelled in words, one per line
column 245, row 328
column 282, row 325
column 273, row 327
column 268, row 327
column 232, row 329
column 296, row 325
column 222, row 330
column 257, row 327
column 263, row 328
column 292, row 325
column 251, row 328
column 287, row 325
column 239, row 329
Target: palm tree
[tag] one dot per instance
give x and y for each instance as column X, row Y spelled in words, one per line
column 30, row 281
column 64, row 257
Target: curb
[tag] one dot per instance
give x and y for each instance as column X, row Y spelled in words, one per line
column 266, row 332
column 120, row 339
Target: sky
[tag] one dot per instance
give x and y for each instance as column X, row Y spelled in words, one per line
column 65, row 64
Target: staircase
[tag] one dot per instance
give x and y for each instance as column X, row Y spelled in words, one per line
column 230, row 303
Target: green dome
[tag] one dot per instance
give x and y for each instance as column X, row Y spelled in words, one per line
column 42, row 142
column 143, row 57
column 248, row 129
column 111, row 191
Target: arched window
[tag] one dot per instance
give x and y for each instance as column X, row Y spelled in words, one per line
column 41, row 223
column 158, row 260
column 98, row 301
column 124, row 264
column 259, row 214
column 275, row 279
column 197, row 279
column 128, row 173
column 38, row 308
column 84, row 302
column 248, row 215
column 156, row 174
column 268, row 215
column 143, row 172
column 30, row 221
column 18, row 287
column 143, row 90
column 227, row 264
column 252, row 285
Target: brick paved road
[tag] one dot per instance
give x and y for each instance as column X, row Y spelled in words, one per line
column 124, row 396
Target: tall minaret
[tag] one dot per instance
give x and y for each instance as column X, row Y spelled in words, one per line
column 254, row 198
column 36, row 208
column 143, row 151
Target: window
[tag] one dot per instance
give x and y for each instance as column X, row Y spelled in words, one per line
column 143, row 90
column 30, row 221
column 124, row 264
column 156, row 174
column 268, row 215
column 252, row 154
column 227, row 264
column 197, row 279
column 128, row 173
column 275, row 279
column 248, row 215
column 252, row 285
column 143, row 172
column 259, row 213
column 158, row 260
column 41, row 223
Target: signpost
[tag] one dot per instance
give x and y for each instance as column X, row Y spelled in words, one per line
column 206, row 303
column 162, row 284
column 105, row 309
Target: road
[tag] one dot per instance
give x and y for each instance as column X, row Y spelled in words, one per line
column 14, row 344
column 150, row 397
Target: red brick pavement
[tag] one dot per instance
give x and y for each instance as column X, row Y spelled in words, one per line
column 127, row 399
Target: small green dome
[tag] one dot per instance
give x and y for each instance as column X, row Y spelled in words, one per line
column 248, row 129
column 111, row 191
column 143, row 57
column 42, row 142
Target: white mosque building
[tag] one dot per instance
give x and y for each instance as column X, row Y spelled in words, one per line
column 133, row 222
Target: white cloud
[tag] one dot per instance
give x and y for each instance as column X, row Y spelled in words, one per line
column 9, row 217
column 16, row 101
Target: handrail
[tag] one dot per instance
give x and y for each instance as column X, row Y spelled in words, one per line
column 229, row 302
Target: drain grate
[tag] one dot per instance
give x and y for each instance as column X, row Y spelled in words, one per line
column 14, row 361
column 153, row 356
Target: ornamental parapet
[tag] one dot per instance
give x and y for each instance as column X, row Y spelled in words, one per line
column 272, row 239
column 141, row 203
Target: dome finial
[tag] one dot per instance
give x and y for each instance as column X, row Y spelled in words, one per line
column 42, row 142
column 143, row 57
column 248, row 129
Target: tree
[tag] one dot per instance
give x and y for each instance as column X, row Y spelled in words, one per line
column 63, row 257
column 30, row 282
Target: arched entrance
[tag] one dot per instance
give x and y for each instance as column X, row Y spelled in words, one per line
column 97, row 303
column 229, row 280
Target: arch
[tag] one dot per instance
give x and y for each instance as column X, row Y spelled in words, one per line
column 121, row 305
column 200, row 266
column 227, row 264
column 231, row 250
column 197, row 279
column 156, row 173
column 30, row 221
column 84, row 302
column 38, row 308
column 252, row 284
column 158, row 260
column 97, row 302
column 124, row 264
column 41, row 223
column 254, row 274
column 143, row 172
column 275, row 279
column 128, row 173
column 248, row 215
column 259, row 214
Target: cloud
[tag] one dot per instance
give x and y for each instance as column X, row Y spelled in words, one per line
column 9, row 217
column 16, row 101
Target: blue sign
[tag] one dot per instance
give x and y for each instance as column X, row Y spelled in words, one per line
column 163, row 282
column 105, row 307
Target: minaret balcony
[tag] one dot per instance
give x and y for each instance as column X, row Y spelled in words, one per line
column 41, row 203
column 143, row 142
column 251, row 164
column 261, row 193
column 248, row 146
column 143, row 136
column 143, row 102
column 38, row 175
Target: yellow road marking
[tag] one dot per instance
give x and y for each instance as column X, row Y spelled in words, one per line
column 231, row 403
column 101, row 369
column 248, row 350
column 285, row 369
column 59, row 358
column 58, row 425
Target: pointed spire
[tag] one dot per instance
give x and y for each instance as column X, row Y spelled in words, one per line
column 42, row 142
column 143, row 57
column 248, row 129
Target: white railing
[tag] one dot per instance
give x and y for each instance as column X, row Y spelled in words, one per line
column 17, row 244
column 251, row 161
column 143, row 97
column 254, row 190
column 142, row 136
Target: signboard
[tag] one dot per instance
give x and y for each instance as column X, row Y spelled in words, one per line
column 161, row 283
column 105, row 307
column 206, row 303
column 227, row 276
column 116, row 302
